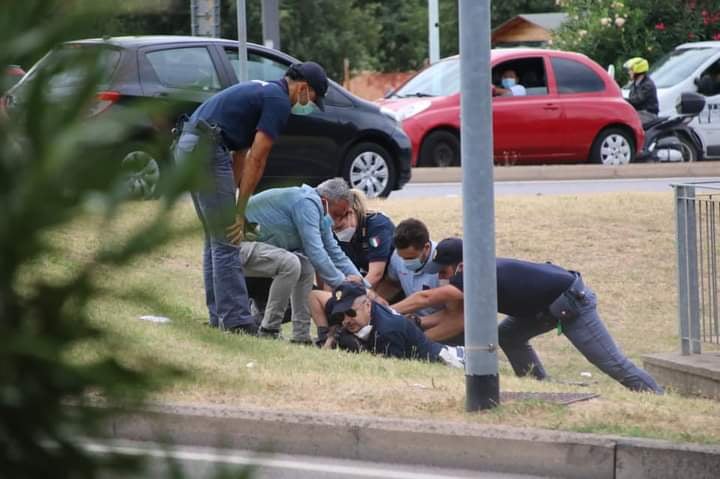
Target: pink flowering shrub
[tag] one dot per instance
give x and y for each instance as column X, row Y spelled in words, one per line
column 615, row 30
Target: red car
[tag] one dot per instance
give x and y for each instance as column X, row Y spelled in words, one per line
column 572, row 111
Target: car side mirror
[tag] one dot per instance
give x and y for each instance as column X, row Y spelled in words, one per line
column 690, row 104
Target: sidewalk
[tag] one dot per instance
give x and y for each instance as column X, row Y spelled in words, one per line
column 433, row 443
column 575, row 172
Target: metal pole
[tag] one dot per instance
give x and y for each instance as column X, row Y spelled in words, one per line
column 681, row 228
column 433, row 30
column 692, row 258
column 271, row 23
column 479, row 266
column 242, row 72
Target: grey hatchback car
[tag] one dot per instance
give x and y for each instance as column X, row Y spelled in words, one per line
column 352, row 138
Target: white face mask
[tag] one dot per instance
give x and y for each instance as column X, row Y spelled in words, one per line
column 345, row 235
column 443, row 282
column 364, row 332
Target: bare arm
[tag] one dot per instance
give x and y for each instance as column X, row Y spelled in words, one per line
column 427, row 298
column 376, row 270
column 447, row 325
column 252, row 167
column 387, row 288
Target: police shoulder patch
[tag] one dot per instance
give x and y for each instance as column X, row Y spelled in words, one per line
column 338, row 295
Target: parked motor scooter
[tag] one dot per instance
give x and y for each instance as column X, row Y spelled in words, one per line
column 671, row 138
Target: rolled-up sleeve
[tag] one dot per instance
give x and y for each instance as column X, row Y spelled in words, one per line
column 307, row 219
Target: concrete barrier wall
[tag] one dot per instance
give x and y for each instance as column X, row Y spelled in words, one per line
column 433, row 443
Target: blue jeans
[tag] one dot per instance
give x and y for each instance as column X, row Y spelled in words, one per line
column 225, row 289
column 580, row 322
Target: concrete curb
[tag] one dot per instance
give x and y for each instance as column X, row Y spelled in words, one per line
column 433, row 443
column 574, row 172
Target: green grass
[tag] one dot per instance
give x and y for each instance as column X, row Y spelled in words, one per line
column 622, row 243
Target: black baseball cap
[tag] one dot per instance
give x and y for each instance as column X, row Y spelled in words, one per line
column 448, row 251
column 344, row 296
column 315, row 76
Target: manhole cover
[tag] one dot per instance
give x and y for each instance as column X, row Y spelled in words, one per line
column 557, row 398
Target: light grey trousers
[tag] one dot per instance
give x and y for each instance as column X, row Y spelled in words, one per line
column 292, row 275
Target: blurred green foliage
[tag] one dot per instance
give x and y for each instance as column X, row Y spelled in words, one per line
column 54, row 169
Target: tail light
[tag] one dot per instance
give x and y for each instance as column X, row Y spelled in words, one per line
column 103, row 101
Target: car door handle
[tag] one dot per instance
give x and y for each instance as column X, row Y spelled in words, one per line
column 162, row 93
column 551, row 107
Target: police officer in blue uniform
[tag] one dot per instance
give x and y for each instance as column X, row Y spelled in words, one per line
column 537, row 298
column 366, row 237
column 246, row 118
column 384, row 332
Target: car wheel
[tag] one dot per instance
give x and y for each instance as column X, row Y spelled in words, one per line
column 370, row 168
column 613, row 146
column 440, row 148
column 141, row 173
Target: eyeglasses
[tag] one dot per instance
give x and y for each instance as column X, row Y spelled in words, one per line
column 338, row 317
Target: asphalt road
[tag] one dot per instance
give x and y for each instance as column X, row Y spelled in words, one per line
column 536, row 188
column 203, row 463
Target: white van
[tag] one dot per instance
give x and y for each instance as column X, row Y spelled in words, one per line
column 692, row 67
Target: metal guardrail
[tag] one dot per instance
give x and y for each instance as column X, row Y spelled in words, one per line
column 697, row 212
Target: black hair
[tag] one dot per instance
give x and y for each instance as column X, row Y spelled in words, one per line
column 411, row 232
column 293, row 73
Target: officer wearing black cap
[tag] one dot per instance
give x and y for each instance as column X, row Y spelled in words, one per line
column 537, row 298
column 382, row 331
column 246, row 118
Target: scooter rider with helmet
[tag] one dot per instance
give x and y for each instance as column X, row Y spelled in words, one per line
column 643, row 94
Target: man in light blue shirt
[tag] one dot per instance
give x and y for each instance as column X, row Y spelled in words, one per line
column 300, row 219
column 410, row 260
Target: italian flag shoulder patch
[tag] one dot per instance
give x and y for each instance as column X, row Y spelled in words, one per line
column 374, row 242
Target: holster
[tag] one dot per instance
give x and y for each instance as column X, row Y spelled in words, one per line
column 567, row 306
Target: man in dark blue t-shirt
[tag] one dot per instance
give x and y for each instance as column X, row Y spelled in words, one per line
column 536, row 297
column 383, row 331
column 246, row 118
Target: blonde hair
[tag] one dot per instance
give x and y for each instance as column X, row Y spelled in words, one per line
column 359, row 205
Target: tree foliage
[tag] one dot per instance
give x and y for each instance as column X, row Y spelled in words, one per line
column 55, row 167
column 611, row 31
column 385, row 35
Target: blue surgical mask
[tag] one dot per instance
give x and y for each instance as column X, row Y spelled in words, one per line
column 414, row 264
column 302, row 110
column 508, row 82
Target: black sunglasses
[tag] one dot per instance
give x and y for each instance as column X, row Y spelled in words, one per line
column 339, row 316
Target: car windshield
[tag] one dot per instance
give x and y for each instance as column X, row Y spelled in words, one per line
column 678, row 65
column 441, row 79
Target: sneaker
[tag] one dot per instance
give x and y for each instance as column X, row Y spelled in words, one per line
column 268, row 333
column 250, row 329
column 453, row 356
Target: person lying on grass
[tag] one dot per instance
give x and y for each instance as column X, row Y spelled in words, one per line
column 537, row 298
column 380, row 330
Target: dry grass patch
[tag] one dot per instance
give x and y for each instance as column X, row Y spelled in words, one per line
column 622, row 243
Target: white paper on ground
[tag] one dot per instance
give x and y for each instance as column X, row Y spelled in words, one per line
column 155, row 319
